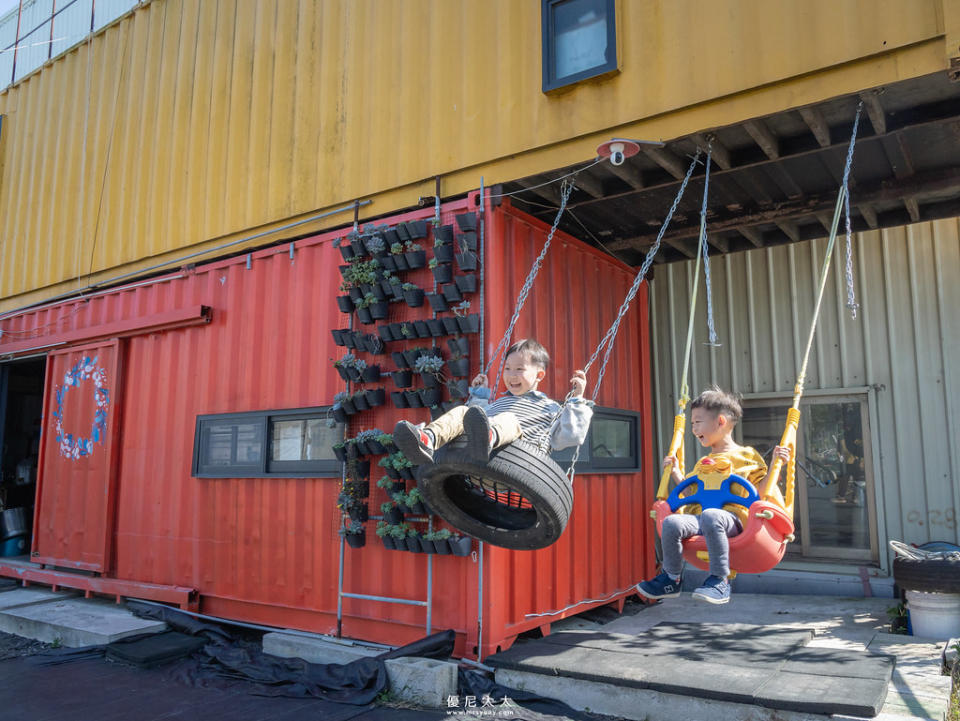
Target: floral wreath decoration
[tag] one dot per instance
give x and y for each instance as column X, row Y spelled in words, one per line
column 75, row 446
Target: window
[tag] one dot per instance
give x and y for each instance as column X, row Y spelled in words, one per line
column 291, row 443
column 834, row 501
column 579, row 40
column 613, row 443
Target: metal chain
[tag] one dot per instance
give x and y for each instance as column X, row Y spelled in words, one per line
column 607, row 341
column 566, row 188
column 851, row 299
column 711, row 329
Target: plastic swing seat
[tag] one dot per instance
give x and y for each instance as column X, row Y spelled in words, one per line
column 758, row 548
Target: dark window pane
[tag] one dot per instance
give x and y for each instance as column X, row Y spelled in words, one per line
column 611, row 438
column 581, row 36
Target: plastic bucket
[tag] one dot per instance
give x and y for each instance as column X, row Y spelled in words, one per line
column 16, row 546
column 934, row 615
column 13, row 522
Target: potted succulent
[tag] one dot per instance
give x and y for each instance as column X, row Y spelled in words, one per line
column 363, row 309
column 342, row 400
column 460, row 545
column 340, row 451
column 415, row 502
column 467, row 283
column 391, row 514
column 391, row 485
column 354, row 534
column 437, row 302
column 378, row 308
column 343, row 245
column 412, row 354
column 438, row 539
column 376, row 246
column 370, row 439
column 337, row 411
column 386, row 463
column 399, row 399
column 467, row 221
column 399, row 534
column 343, row 366
column 413, row 541
column 396, row 253
column 451, row 293
column 429, row 367
column 383, row 533
column 402, row 378
column 415, row 255
column 403, row 465
column 413, row 295
column 442, row 273
column 372, row 343
column 400, row 498
column 386, row 442
column 407, row 331
column 356, row 242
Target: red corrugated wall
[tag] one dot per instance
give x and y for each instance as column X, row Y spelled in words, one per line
column 267, row 550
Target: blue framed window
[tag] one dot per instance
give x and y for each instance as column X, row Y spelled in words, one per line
column 579, row 40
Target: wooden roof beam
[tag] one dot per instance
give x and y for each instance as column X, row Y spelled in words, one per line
column 913, row 207
column 667, row 160
column 868, row 214
column 817, row 124
column 628, row 174
column 790, row 229
column 764, row 137
column 878, row 119
column 720, row 153
column 589, row 184
column 753, row 235
column 549, row 192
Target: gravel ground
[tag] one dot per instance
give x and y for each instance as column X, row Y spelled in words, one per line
column 16, row 646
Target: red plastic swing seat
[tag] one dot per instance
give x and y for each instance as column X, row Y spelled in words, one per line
column 760, row 547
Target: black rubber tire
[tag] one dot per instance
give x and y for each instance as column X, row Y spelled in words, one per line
column 940, row 575
column 518, row 467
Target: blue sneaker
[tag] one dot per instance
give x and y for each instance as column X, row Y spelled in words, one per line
column 714, row 590
column 661, row 586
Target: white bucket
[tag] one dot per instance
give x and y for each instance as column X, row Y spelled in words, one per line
column 934, row 615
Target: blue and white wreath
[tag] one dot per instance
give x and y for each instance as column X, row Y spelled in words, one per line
column 72, row 446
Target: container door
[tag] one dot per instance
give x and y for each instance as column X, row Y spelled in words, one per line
column 74, row 518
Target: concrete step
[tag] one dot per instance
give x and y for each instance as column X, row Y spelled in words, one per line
column 65, row 618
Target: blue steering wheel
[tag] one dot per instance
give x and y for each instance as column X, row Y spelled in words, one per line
column 715, row 498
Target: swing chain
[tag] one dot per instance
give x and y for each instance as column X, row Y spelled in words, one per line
column 566, row 188
column 711, row 329
column 611, row 334
column 851, row 300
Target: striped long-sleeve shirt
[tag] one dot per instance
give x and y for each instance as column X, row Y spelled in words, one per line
column 536, row 412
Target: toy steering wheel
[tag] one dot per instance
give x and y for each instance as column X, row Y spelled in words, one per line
column 715, row 498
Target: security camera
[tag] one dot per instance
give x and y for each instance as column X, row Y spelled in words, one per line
column 616, row 153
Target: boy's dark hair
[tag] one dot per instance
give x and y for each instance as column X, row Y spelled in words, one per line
column 534, row 351
column 720, row 401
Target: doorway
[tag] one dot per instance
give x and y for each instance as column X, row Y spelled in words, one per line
column 21, row 414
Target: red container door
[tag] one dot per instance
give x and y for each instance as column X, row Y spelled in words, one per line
column 74, row 518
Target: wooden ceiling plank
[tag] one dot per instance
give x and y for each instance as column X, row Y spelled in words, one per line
column 764, row 137
column 817, row 124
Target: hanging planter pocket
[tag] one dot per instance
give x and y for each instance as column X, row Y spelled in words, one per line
column 393, row 516
column 459, row 346
column 361, row 447
column 388, row 262
column 467, row 260
column 444, row 253
column 348, row 407
column 422, row 329
column 467, row 241
column 411, row 357
column 388, row 543
column 353, row 375
column 467, row 283
column 348, row 339
column 341, row 453
column 450, row 324
column 356, row 295
column 360, row 402
column 458, row 389
column 373, row 344
column 359, row 513
column 413, row 399
column 343, row 373
column 370, row 374
column 337, row 337
column 345, row 303
column 399, row 359
column 399, row 399
column 413, row 297
column 467, row 221
column 339, row 414
column 400, row 261
column 459, row 367
column 435, row 325
column 359, row 249
column 346, row 251
column 407, row 331
column 415, row 259
column 358, row 485
column 413, row 544
column 430, row 397
column 470, row 324
column 363, row 315
column 451, row 293
column 384, row 330
column 378, row 311
column 441, row 273
column 430, row 380
column 416, row 229
column 403, row 378
column 375, row 397
column 437, row 302
column 443, row 233
column 460, row 546
column 375, row 447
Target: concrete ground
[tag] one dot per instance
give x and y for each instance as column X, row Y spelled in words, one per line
column 917, row 690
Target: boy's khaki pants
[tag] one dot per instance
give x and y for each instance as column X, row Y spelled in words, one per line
column 450, row 425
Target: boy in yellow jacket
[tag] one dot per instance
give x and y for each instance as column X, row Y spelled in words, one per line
column 713, row 416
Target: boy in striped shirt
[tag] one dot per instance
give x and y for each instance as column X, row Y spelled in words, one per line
column 523, row 412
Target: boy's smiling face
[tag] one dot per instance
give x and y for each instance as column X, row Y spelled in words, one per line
column 709, row 427
column 521, row 375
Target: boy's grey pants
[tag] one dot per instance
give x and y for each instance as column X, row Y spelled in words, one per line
column 714, row 524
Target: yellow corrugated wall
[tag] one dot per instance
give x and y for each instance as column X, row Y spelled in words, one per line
column 186, row 122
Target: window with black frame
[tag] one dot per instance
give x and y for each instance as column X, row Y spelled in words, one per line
column 290, row 443
column 612, row 444
column 579, row 40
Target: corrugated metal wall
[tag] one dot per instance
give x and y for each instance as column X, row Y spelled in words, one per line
column 904, row 345
column 190, row 121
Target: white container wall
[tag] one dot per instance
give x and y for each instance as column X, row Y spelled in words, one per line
column 897, row 361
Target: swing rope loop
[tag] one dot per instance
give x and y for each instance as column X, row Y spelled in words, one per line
column 851, row 300
column 566, row 188
column 607, row 341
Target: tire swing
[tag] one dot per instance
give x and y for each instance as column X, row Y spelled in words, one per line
column 763, row 542
column 520, row 499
